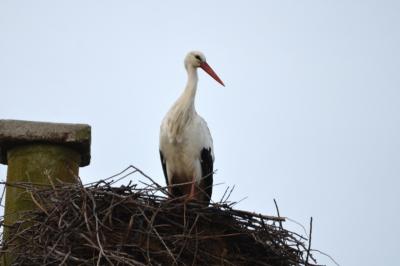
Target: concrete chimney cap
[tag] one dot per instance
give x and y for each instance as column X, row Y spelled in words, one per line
column 19, row 132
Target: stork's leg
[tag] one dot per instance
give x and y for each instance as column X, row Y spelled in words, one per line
column 192, row 189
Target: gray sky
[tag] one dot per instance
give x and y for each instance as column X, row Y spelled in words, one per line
column 310, row 114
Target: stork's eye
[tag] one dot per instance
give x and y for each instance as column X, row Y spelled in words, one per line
column 198, row 57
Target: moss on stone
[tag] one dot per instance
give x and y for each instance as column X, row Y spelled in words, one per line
column 36, row 164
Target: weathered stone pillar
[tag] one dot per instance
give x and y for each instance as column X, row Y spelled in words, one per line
column 35, row 152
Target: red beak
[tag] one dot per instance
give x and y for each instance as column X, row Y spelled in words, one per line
column 211, row 72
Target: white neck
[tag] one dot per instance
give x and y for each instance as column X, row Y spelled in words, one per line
column 183, row 110
column 188, row 96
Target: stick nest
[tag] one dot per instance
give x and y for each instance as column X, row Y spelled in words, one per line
column 139, row 224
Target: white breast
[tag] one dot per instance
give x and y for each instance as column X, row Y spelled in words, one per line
column 182, row 148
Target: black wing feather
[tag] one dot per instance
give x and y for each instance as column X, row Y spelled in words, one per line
column 207, row 168
column 164, row 167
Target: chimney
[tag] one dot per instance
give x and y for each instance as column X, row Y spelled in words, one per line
column 40, row 154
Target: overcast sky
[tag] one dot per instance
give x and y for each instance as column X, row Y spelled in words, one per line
column 310, row 114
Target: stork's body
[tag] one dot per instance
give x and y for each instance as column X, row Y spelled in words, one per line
column 186, row 146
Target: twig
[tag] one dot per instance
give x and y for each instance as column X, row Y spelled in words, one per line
column 277, row 211
column 309, row 242
column 327, row 255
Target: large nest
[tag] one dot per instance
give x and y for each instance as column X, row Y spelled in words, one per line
column 101, row 224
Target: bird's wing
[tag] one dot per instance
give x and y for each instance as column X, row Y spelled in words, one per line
column 164, row 167
column 207, row 168
column 206, row 138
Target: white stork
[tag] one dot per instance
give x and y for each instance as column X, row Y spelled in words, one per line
column 186, row 146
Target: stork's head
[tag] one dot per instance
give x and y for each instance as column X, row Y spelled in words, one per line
column 197, row 59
